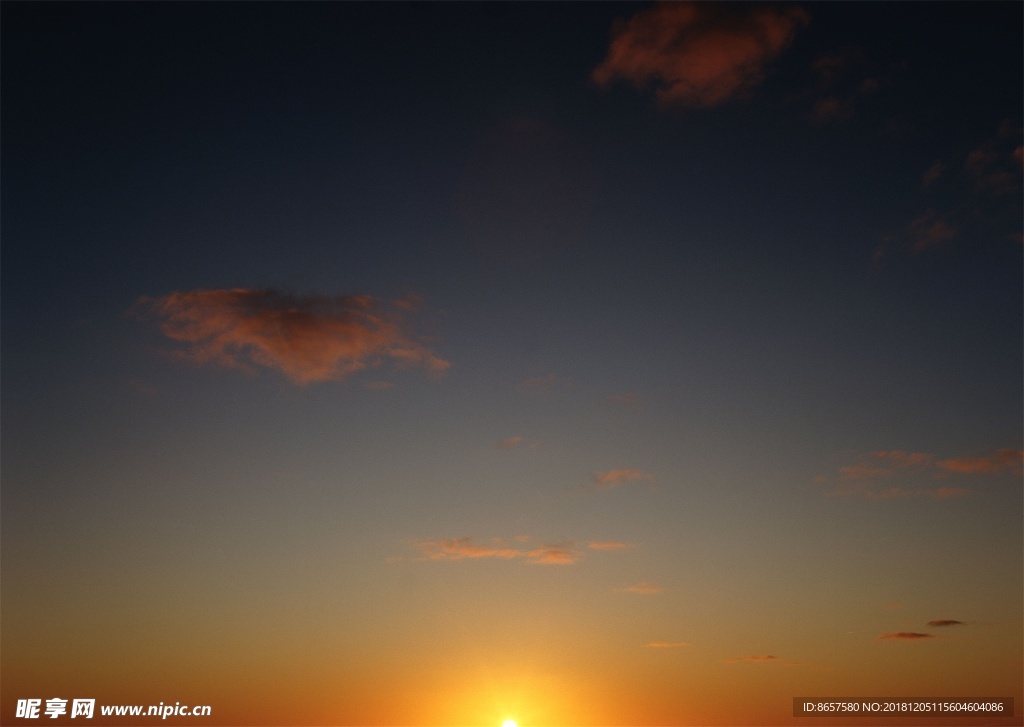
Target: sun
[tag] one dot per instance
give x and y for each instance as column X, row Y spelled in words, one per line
column 509, row 723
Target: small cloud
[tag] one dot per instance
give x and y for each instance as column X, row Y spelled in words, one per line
column 906, row 636
column 553, row 555
column 307, row 338
column 643, row 587
column 666, row 644
column 610, row 479
column 509, row 443
column 930, row 230
column 893, row 605
column 905, row 459
column 469, row 549
column 697, row 54
column 464, row 548
column 1001, row 461
column 608, row 545
column 935, row 171
column 938, row 622
column 756, row 659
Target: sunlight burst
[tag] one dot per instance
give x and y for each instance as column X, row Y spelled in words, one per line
column 509, row 723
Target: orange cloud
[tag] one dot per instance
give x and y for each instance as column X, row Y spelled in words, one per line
column 696, row 54
column 906, row 636
column 757, row 659
column 610, row 479
column 643, row 587
column 553, row 555
column 666, row 644
column 468, row 549
column 1001, row 461
column 945, row 622
column 608, row 545
column 307, row 338
column 463, row 548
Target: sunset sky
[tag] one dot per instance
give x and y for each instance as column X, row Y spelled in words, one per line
column 577, row 364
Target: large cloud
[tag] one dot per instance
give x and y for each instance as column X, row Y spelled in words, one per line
column 307, row 338
column 698, row 54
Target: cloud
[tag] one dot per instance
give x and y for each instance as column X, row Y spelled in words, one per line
column 509, row 443
column 553, row 555
column 666, row 644
column 643, row 587
column 696, row 54
column 463, row 548
column 1003, row 460
column 610, row 479
column 608, row 545
column 906, row 636
column 757, row 659
column 945, row 622
column 379, row 385
column 841, row 84
column 468, row 549
column 867, row 477
column 933, row 173
column 930, row 230
column 307, row 338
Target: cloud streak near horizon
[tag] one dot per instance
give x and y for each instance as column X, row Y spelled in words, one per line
column 307, row 338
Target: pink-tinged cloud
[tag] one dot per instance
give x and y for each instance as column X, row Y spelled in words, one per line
column 553, row 555
column 864, row 472
column 666, row 644
column 543, row 383
column 509, row 443
column 643, row 588
column 624, row 399
column 930, row 230
column 379, row 385
column 697, row 54
column 756, row 659
column 610, row 479
column 307, row 338
column 1003, row 460
column 937, row 622
column 608, row 545
column 905, row 636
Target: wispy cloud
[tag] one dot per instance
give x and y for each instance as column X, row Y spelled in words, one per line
column 610, row 479
column 643, row 587
column 470, row 549
column 842, row 83
column 937, row 622
column 756, row 659
column 666, row 644
column 918, row 473
column 697, row 54
column 905, row 636
column 1003, row 460
column 608, row 545
column 307, row 338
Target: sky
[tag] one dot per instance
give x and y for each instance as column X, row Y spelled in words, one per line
column 577, row 364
